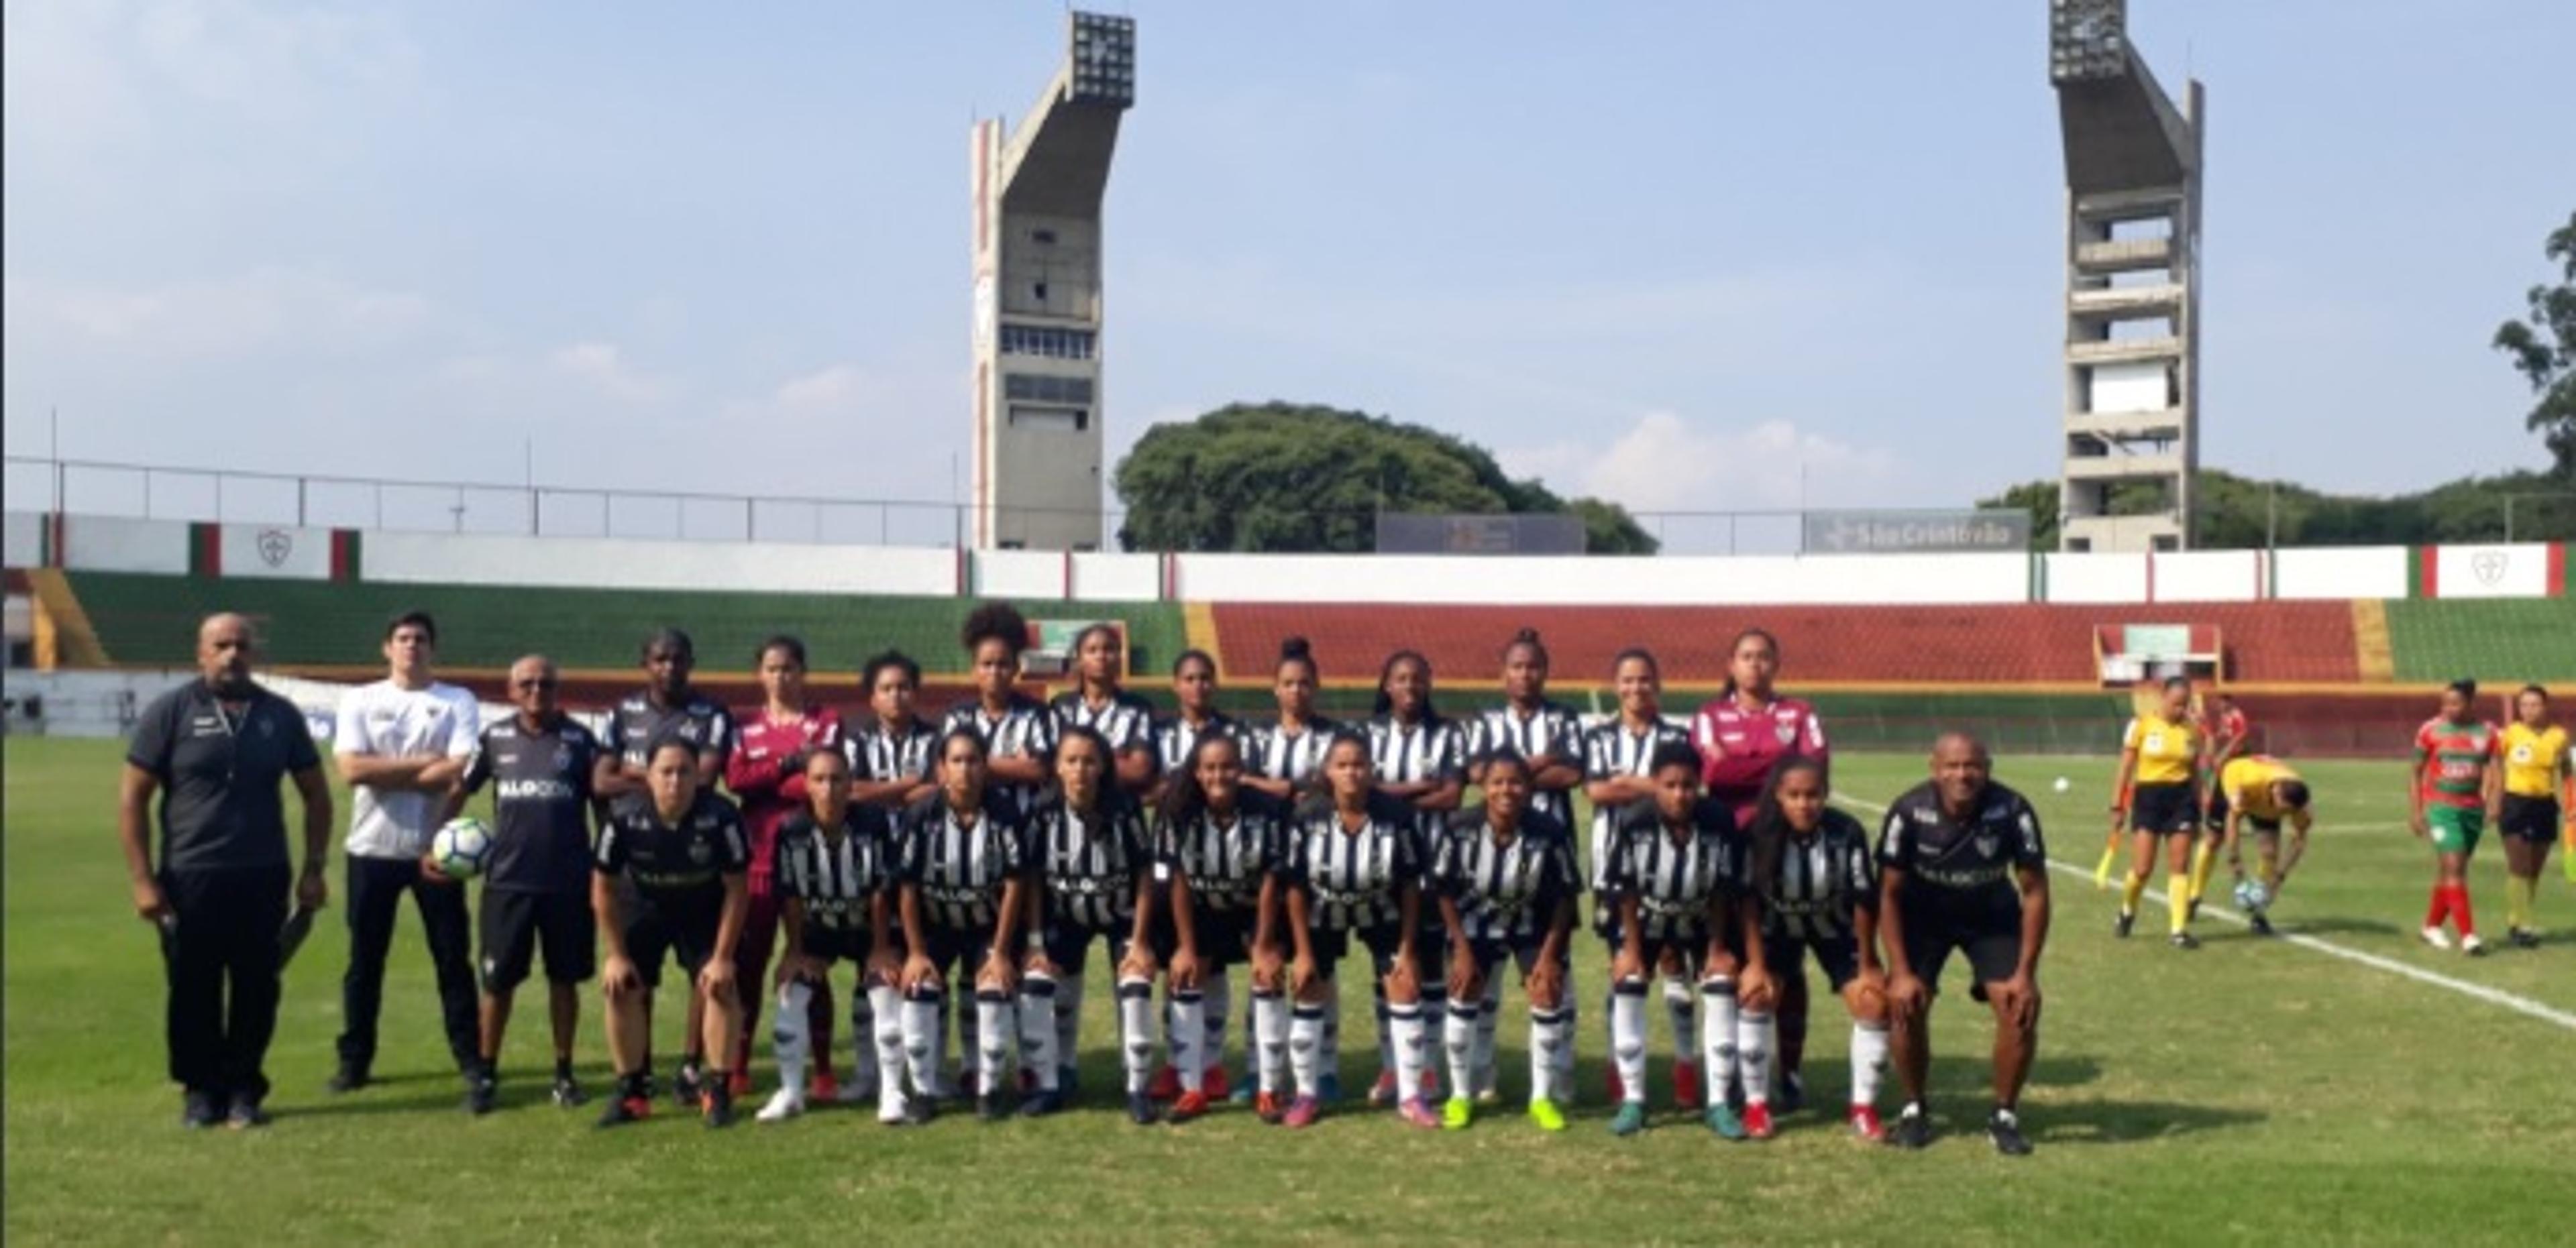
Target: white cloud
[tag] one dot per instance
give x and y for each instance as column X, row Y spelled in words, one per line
column 836, row 388
column 256, row 312
column 1665, row 463
column 604, row 368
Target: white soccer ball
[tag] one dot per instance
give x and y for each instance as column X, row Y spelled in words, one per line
column 2252, row 896
column 2062, row 784
column 461, row 848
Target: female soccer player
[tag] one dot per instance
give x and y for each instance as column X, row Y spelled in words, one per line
column 766, row 772
column 1818, row 887
column 835, row 862
column 1176, row 740
column 680, row 850
column 1507, row 884
column 2260, row 789
column 1222, row 843
column 892, row 761
column 1420, row 759
column 1019, row 734
column 1355, row 863
column 2452, row 788
column 1282, row 761
column 1093, row 880
column 2156, row 796
column 1100, row 704
column 2535, row 772
column 964, row 884
column 1616, row 758
column 1548, row 736
column 1676, row 873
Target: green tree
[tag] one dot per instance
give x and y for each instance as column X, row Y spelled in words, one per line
column 2544, row 351
column 2039, row 498
column 2244, row 513
column 1284, row 477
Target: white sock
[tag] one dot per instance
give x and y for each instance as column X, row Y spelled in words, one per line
column 921, row 1017
column 1684, row 1012
column 1717, row 1038
column 1190, row 1030
column 1306, row 1046
column 1458, row 1037
column 1037, row 1030
column 1218, row 992
column 1269, row 1041
column 992, row 1040
column 1489, row 1017
column 1404, row 1032
column 1068, row 1018
column 1628, row 1038
column 885, row 1011
column 1753, row 1055
column 1868, row 1062
column 791, row 1035
column 1549, row 1032
column 866, row 1073
column 1136, row 1031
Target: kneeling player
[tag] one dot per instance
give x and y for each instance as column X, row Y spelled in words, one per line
column 2261, row 790
column 682, row 850
column 964, row 883
column 1811, row 867
column 1221, row 842
column 1506, row 880
column 1950, row 857
column 1676, row 875
column 1094, row 876
column 834, row 864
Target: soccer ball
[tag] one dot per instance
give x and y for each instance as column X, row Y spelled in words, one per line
column 461, row 847
column 2252, row 897
column 2063, row 784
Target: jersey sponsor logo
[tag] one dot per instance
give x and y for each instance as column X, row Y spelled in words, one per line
column 546, row 790
column 1977, row 878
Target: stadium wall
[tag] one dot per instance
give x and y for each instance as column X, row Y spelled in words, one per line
column 1564, row 581
column 620, row 563
column 2352, row 572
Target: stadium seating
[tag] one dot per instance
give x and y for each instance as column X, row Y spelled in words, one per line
column 2491, row 639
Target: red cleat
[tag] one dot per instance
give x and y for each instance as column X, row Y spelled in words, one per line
column 1382, row 1092
column 1268, row 1107
column 826, row 1085
column 1618, row 1090
column 1686, row 1091
column 1190, row 1105
column 1213, row 1081
column 1166, row 1085
column 1865, row 1125
column 1757, row 1121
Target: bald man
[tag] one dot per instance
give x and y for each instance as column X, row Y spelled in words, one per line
column 217, row 749
column 1963, row 869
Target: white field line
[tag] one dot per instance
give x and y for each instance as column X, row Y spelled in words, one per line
column 2492, row 996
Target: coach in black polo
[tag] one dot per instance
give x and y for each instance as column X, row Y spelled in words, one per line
column 216, row 748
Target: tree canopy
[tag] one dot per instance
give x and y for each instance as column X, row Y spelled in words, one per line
column 2240, row 513
column 2544, row 351
column 1282, row 477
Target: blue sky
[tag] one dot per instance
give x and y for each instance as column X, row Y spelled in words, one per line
column 1662, row 252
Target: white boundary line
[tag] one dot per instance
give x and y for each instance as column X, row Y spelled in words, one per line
column 2492, row 996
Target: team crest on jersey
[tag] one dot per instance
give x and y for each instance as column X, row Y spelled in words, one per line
column 1986, row 843
column 700, row 852
column 563, row 756
column 1786, row 731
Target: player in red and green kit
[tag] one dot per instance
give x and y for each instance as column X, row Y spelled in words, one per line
column 2452, row 787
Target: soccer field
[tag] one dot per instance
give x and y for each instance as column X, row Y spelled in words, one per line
column 2250, row 1091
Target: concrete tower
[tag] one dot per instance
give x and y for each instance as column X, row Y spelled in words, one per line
column 2133, row 173
column 1037, row 446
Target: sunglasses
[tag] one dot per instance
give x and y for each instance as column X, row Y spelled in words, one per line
column 542, row 682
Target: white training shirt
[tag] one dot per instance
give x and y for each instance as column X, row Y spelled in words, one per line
column 388, row 721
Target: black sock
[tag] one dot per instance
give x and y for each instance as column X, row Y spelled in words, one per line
column 563, row 1068
column 631, row 1083
column 693, row 1060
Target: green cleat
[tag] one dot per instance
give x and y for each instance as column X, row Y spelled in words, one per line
column 1630, row 1119
column 1545, row 1113
column 1457, row 1113
column 1722, row 1120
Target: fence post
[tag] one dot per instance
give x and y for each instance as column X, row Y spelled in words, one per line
column 299, row 502
column 219, row 504
column 147, row 493
column 2508, row 517
column 747, row 534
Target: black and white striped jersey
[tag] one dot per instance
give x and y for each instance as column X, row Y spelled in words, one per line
column 1426, row 749
column 1176, row 737
column 1674, row 873
column 882, row 754
column 836, row 872
column 1355, row 881
column 1274, row 753
column 958, row 868
column 1024, row 729
column 698, row 719
column 1226, row 862
column 1125, row 720
column 1089, row 865
column 1818, row 880
column 1552, row 731
column 1505, row 892
column 1614, row 749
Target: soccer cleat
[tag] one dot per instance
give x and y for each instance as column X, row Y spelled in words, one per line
column 989, row 1107
column 347, row 1079
column 1793, row 1094
column 738, row 1083
column 1545, row 1113
column 2183, row 940
column 2004, row 1128
column 2120, row 926
column 1140, row 1108
column 688, row 1087
column 826, row 1086
column 1630, row 1119
column 1416, row 1112
column 1757, row 1122
column 2261, row 925
column 1040, row 1104
column 2437, row 938
column 245, row 1114
column 2523, row 938
column 1166, row 1085
column 1245, row 1090
column 567, row 1092
column 2472, row 946
column 1382, row 1092
column 201, row 1109
column 1865, row 1124
column 1302, row 1112
column 1189, row 1105
column 1267, row 1107
column 1912, row 1129
column 715, row 1104
column 1722, row 1120
column 1457, row 1112
column 919, row 1110
column 1328, row 1087
column 2192, row 914
column 1213, row 1081
column 482, row 1091
column 631, row 1106
column 1068, row 1080
column 1686, row 1089
column 784, row 1104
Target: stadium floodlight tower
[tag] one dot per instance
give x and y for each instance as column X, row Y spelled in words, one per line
column 1038, row 412
column 2133, row 173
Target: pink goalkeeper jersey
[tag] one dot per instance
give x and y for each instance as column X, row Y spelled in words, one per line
column 1739, row 747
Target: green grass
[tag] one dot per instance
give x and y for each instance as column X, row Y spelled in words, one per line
column 2251, row 1092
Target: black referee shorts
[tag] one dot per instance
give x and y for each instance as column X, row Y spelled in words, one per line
column 681, row 927
column 515, row 925
column 2533, row 819
column 1992, row 946
column 1837, row 956
column 2163, row 809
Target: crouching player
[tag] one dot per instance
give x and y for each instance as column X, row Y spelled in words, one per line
column 835, row 862
column 1506, row 880
column 1220, row 844
column 2261, row 790
column 682, row 850
column 964, row 883
column 1093, row 882
column 1812, row 870
column 1676, row 875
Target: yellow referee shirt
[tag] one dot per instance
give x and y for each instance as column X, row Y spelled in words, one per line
column 2166, row 750
column 2531, row 759
column 2248, row 782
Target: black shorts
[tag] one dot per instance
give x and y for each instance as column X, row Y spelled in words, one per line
column 1383, row 943
column 1993, row 949
column 1690, row 947
column 838, row 944
column 2218, row 809
column 2163, row 809
column 1522, row 950
column 1223, row 939
column 1070, row 947
column 516, row 924
column 1837, row 956
column 683, row 927
column 963, row 949
column 2532, row 819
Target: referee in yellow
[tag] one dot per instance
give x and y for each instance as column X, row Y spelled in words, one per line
column 2262, row 790
column 2536, row 770
column 2158, row 799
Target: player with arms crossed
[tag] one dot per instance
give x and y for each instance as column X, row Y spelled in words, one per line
column 1220, row 845
column 1963, row 868
column 835, row 863
column 2536, row 770
column 1099, row 703
column 1812, row 870
column 2156, row 795
column 2261, row 789
column 2452, row 789
column 1507, row 883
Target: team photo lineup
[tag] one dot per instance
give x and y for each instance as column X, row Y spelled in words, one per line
column 954, row 874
